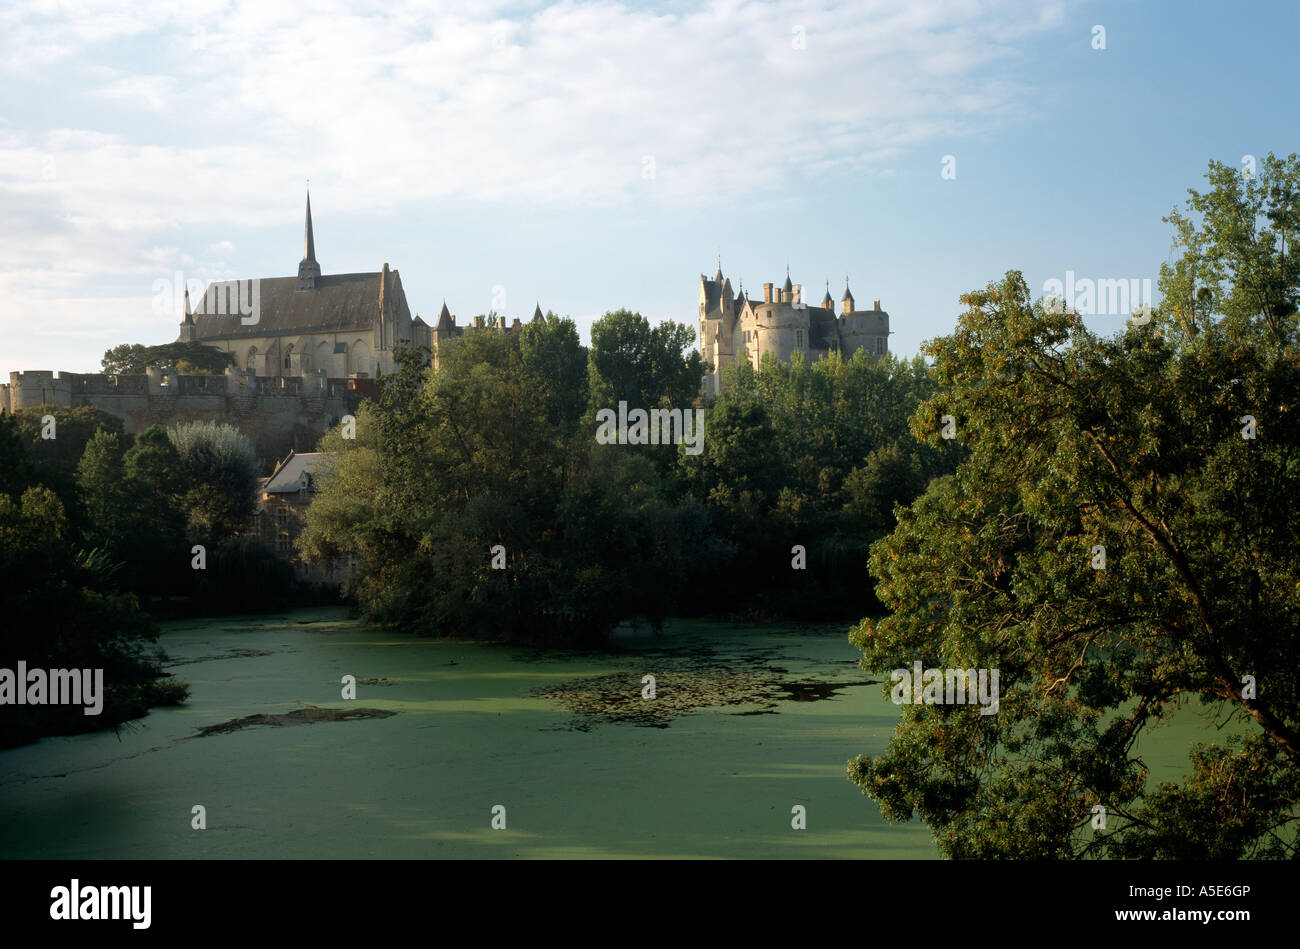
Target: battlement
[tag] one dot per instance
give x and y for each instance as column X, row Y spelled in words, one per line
column 278, row 413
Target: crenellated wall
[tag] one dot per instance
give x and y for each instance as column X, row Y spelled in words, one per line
column 277, row 414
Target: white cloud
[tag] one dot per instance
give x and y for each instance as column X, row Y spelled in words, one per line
column 534, row 105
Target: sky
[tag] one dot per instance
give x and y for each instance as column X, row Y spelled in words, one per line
column 597, row 156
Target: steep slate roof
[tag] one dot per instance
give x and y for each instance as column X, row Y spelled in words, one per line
column 712, row 294
column 444, row 319
column 286, row 478
column 340, row 302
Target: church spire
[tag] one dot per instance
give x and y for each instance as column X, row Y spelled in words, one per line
column 308, row 268
column 309, row 241
column 188, row 329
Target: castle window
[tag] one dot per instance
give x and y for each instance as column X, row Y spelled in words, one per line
column 798, row 339
column 880, row 345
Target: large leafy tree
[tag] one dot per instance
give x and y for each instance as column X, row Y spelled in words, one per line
column 644, row 365
column 1173, row 448
column 481, row 455
column 190, row 357
column 220, row 470
column 133, row 502
column 552, row 355
column 54, row 450
column 811, row 455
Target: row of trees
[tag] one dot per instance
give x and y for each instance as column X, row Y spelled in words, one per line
column 495, row 450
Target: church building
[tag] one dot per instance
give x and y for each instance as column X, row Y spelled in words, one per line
column 336, row 325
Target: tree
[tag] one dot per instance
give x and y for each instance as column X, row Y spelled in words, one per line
column 54, row 459
column 641, row 364
column 557, row 362
column 107, row 497
column 1119, row 542
column 16, row 469
column 475, row 508
column 126, row 359
column 156, row 553
column 60, row 611
column 220, row 470
column 190, row 357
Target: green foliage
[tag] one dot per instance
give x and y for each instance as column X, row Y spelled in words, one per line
column 17, row 472
column 61, row 610
column 190, row 357
column 220, row 470
column 455, row 462
column 133, row 507
column 641, row 364
column 242, row 576
column 814, row 455
column 552, row 355
column 54, row 460
column 1132, row 442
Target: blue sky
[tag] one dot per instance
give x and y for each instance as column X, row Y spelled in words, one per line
column 505, row 148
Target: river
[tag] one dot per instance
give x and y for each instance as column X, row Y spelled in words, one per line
column 747, row 722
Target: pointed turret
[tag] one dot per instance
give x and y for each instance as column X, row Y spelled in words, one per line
column 787, row 287
column 827, row 302
column 308, row 268
column 188, row 329
column 846, row 301
column 444, row 319
column 537, row 312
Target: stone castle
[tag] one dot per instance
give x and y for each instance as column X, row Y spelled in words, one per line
column 306, row 350
column 734, row 327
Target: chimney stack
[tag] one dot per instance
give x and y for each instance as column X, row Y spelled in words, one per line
column 767, row 293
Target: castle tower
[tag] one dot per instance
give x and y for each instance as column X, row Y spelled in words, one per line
column 308, row 268
column 846, row 301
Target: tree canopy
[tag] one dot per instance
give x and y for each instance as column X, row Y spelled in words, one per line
column 190, row 357
column 1119, row 543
